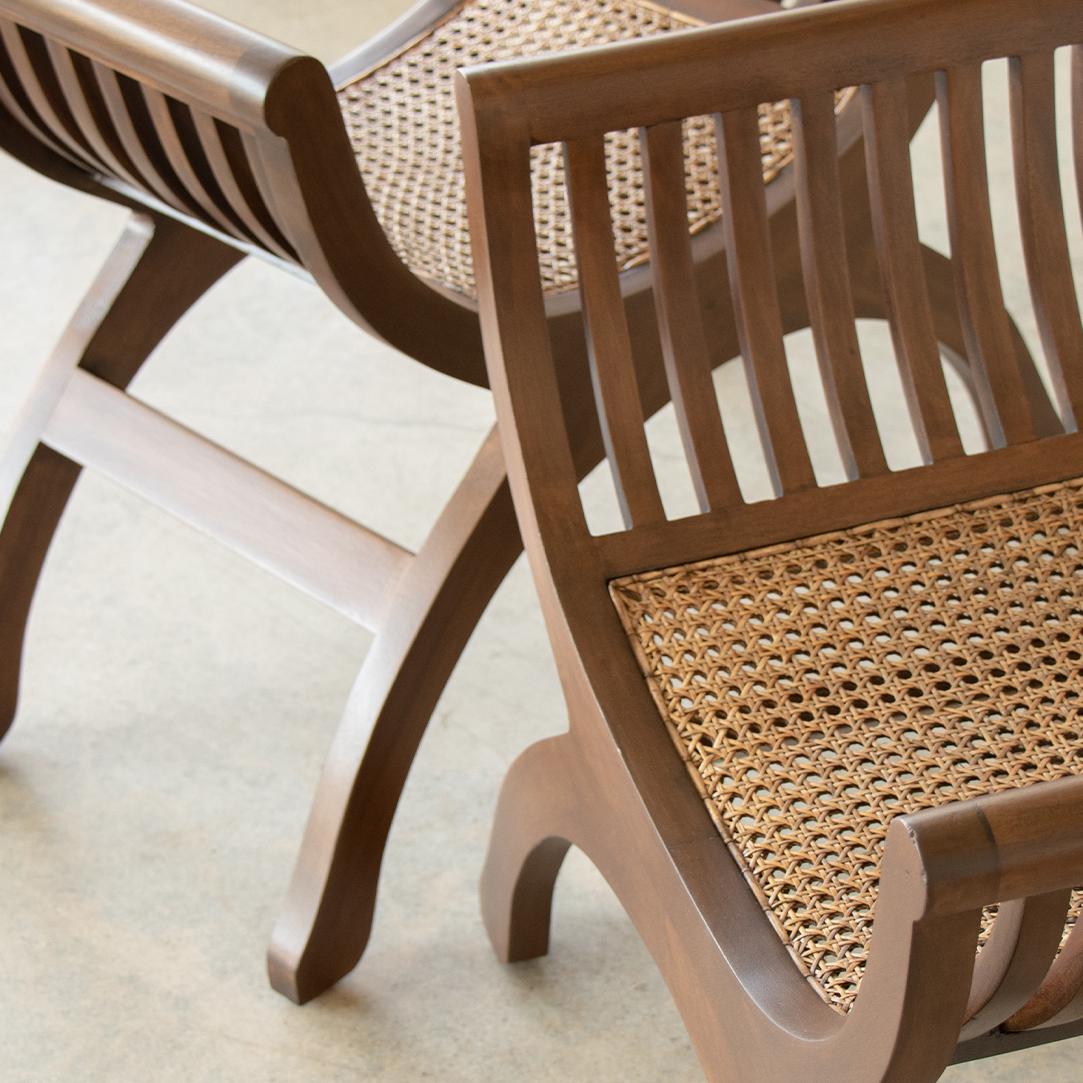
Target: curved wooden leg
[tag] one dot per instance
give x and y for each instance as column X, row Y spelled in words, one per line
column 157, row 271
column 31, row 521
column 526, row 850
column 327, row 916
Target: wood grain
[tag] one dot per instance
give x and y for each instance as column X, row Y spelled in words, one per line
column 613, row 785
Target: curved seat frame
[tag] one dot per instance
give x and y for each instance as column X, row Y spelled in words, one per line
column 613, row 785
column 224, row 144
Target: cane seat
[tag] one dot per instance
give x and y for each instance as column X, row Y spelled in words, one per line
column 401, row 119
column 816, row 690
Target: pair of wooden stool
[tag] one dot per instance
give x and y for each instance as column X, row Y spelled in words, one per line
column 787, row 716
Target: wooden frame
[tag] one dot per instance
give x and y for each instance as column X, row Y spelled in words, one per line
column 226, row 144
column 613, row 785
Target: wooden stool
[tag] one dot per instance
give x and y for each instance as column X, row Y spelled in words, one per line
column 224, row 144
column 812, row 738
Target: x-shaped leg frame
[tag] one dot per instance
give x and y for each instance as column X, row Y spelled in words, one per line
column 422, row 607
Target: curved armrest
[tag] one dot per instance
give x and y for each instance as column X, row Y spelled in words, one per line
column 160, row 103
column 941, row 867
column 986, row 850
column 165, row 104
column 169, row 105
column 177, row 47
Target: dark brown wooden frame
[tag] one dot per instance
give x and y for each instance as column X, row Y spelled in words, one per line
column 224, row 144
column 613, row 785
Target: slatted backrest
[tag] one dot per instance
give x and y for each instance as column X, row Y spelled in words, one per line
column 164, row 102
column 805, row 56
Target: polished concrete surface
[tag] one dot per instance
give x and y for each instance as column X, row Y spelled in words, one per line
column 178, row 702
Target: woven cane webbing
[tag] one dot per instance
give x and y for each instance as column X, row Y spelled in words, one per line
column 403, row 126
column 819, row 689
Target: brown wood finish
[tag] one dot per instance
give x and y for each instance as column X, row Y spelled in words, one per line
column 909, row 311
column 1045, row 244
column 158, row 270
column 609, row 345
column 1077, row 117
column 613, row 785
column 1059, row 998
column 755, row 300
column 1015, row 960
column 680, row 323
column 830, row 295
column 233, row 145
column 970, row 217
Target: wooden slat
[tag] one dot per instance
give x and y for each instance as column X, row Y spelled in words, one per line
column 184, row 155
column 39, row 85
column 1077, row 120
column 997, row 378
column 13, row 98
column 308, row 544
column 80, row 91
column 680, row 320
column 755, row 301
column 184, row 125
column 1015, row 959
column 887, row 149
column 1059, row 1000
column 612, row 369
column 228, row 162
column 828, row 289
column 132, row 123
column 1041, row 218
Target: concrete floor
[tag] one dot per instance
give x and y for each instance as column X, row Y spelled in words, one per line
column 178, row 702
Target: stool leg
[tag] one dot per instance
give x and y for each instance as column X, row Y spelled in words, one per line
column 327, row 916
column 526, row 851
column 157, row 271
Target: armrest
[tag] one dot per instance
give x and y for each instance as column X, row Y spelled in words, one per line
column 176, row 47
column 161, row 104
column 167, row 105
column 1011, row 845
column 941, row 867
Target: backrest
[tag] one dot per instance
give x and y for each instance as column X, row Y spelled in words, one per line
column 727, row 72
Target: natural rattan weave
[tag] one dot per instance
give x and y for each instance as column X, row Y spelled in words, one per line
column 402, row 123
column 821, row 688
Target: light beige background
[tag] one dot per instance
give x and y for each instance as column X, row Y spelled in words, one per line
column 177, row 705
